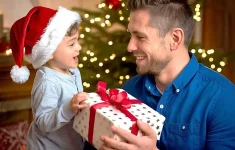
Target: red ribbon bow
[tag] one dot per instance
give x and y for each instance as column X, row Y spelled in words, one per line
column 114, row 98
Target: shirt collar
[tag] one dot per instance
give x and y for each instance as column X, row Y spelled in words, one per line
column 183, row 78
column 47, row 70
column 150, row 85
column 187, row 73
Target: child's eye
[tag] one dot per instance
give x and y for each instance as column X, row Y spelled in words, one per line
column 71, row 44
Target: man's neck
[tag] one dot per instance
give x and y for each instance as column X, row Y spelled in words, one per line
column 173, row 69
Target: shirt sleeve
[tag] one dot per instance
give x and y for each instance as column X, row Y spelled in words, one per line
column 49, row 116
column 221, row 122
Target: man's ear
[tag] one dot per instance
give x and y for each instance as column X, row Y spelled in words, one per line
column 177, row 38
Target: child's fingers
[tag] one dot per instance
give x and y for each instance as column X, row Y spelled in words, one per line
column 82, row 101
column 81, row 106
column 80, row 97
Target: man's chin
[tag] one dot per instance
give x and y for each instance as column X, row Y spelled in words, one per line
column 145, row 72
column 141, row 71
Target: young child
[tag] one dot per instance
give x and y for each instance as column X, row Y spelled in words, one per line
column 48, row 39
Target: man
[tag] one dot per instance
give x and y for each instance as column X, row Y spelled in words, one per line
column 197, row 102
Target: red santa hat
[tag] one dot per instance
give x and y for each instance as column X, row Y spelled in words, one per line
column 36, row 36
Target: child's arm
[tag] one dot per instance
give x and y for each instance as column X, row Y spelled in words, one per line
column 48, row 114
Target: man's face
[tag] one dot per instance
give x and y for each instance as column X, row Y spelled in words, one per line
column 151, row 51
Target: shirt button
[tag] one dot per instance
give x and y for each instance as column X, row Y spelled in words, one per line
column 177, row 90
column 161, row 106
column 183, row 127
column 149, row 87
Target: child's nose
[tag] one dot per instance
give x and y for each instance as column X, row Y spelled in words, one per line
column 79, row 47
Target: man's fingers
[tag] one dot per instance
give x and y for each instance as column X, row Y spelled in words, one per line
column 117, row 145
column 105, row 147
column 131, row 138
column 146, row 129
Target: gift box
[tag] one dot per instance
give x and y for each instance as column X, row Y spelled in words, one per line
column 114, row 107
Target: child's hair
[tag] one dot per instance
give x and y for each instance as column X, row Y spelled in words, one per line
column 72, row 29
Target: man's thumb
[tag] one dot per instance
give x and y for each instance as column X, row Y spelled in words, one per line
column 146, row 129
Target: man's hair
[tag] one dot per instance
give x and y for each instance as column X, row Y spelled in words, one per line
column 72, row 29
column 166, row 15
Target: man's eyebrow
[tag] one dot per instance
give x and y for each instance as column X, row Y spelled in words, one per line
column 137, row 32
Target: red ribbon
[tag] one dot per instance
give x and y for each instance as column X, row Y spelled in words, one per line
column 114, row 98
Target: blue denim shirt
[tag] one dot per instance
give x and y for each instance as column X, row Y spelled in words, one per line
column 199, row 106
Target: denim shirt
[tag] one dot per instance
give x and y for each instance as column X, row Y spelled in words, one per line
column 199, row 106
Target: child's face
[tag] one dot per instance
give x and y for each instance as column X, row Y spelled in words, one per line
column 65, row 56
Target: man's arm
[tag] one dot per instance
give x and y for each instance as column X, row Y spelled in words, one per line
column 220, row 124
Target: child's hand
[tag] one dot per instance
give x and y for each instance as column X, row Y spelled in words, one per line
column 77, row 103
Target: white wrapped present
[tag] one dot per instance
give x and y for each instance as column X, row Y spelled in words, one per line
column 114, row 107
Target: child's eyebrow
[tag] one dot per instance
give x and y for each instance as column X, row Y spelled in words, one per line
column 73, row 39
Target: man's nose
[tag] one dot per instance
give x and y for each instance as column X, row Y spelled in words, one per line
column 132, row 45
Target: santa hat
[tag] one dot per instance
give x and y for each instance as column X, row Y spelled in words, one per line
column 36, row 36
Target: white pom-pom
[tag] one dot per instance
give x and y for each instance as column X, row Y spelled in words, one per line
column 20, row 75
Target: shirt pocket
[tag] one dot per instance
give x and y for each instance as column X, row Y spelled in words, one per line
column 184, row 136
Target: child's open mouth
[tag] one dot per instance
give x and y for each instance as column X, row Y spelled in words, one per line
column 75, row 59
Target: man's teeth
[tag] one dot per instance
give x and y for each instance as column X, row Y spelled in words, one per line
column 139, row 57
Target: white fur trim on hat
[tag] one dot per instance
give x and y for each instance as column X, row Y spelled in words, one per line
column 52, row 36
column 19, row 75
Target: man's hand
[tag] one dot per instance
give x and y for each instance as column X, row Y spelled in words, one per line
column 145, row 142
column 76, row 102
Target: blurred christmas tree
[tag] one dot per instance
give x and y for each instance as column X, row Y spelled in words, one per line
column 104, row 39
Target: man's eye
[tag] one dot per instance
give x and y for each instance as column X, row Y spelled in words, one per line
column 140, row 37
column 71, row 44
